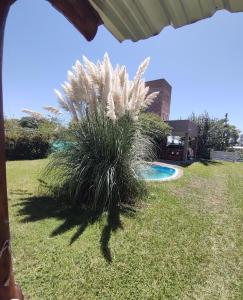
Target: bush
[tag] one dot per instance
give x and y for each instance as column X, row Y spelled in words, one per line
column 29, row 122
column 99, row 168
column 214, row 133
column 29, row 138
column 155, row 128
column 28, row 144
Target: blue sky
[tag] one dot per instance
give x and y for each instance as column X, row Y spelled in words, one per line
column 203, row 62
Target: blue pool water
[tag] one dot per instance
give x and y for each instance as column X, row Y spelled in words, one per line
column 157, row 172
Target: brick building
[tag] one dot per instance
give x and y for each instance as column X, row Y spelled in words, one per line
column 161, row 105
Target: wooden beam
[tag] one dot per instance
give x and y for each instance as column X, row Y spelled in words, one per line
column 81, row 14
column 186, row 144
column 8, row 289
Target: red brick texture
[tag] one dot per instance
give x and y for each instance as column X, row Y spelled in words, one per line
column 161, row 105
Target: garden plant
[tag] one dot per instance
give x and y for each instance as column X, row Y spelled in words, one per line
column 98, row 168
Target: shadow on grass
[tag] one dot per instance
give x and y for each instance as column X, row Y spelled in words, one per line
column 20, row 192
column 188, row 163
column 206, row 162
column 113, row 223
column 183, row 164
column 34, row 209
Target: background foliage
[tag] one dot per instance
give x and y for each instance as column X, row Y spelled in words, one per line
column 155, row 128
column 29, row 138
column 214, row 133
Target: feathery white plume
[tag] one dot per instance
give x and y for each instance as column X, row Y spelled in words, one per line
column 53, row 110
column 34, row 114
column 99, row 87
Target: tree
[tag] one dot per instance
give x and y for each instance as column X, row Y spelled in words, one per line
column 29, row 122
column 153, row 126
column 214, row 133
column 241, row 140
column 234, row 134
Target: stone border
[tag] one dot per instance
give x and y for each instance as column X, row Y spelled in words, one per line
column 178, row 173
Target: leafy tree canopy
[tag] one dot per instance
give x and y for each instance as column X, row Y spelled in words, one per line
column 153, row 126
column 29, row 122
column 214, row 133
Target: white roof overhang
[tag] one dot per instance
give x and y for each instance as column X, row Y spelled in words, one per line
column 141, row 19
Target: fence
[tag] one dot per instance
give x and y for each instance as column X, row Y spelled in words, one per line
column 227, row 156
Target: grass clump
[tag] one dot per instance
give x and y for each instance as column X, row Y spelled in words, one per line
column 98, row 169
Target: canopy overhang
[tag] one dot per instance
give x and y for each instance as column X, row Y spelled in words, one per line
column 141, row 19
column 183, row 127
column 138, row 19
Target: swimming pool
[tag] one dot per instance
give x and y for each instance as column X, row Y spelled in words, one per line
column 156, row 172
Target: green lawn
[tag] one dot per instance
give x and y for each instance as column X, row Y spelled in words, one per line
column 185, row 241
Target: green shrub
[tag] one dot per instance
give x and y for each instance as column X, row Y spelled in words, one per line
column 214, row 133
column 28, row 144
column 98, row 168
column 29, row 138
column 154, row 127
column 29, row 122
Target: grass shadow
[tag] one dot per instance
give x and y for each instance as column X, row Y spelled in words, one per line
column 188, row 163
column 183, row 164
column 113, row 223
column 207, row 162
column 20, row 192
column 34, row 209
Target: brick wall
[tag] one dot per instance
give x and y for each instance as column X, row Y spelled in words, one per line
column 161, row 105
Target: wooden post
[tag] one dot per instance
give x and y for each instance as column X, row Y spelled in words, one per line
column 186, row 144
column 8, row 289
column 195, row 147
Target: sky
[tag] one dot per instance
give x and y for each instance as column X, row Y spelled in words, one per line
column 203, row 62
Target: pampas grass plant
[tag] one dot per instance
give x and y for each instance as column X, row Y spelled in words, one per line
column 98, row 168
